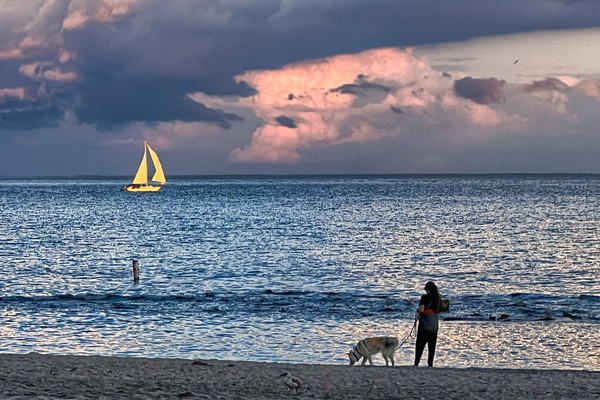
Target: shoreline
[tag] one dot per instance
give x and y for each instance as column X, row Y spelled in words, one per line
column 36, row 375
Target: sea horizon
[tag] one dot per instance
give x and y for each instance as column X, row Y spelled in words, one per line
column 324, row 175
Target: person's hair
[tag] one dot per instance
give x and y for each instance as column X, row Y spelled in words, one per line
column 437, row 299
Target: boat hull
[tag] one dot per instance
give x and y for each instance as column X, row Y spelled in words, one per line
column 142, row 188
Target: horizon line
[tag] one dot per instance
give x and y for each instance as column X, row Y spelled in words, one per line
column 281, row 175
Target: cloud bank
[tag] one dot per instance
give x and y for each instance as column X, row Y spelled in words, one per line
column 284, row 82
column 360, row 98
column 67, row 51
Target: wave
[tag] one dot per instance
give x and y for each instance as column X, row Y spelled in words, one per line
column 316, row 304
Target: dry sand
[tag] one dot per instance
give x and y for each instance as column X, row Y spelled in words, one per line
column 79, row 377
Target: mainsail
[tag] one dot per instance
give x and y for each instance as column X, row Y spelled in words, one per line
column 141, row 178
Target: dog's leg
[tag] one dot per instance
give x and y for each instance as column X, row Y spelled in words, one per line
column 364, row 361
column 370, row 361
column 386, row 359
column 392, row 358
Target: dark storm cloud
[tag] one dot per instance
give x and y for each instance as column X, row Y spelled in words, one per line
column 572, row 2
column 366, row 92
column 286, row 121
column 354, row 26
column 211, row 37
column 25, row 115
column 111, row 102
column 482, row 91
column 10, row 76
column 360, row 88
column 130, row 81
column 547, row 85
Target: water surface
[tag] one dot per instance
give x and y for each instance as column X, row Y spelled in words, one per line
column 297, row 269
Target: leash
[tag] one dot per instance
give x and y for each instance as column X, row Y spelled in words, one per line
column 409, row 333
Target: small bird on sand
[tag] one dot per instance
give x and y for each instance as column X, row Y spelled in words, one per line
column 516, row 62
column 291, row 381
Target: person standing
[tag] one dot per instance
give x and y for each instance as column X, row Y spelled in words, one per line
column 429, row 309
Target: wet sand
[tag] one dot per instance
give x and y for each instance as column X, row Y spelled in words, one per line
column 94, row 377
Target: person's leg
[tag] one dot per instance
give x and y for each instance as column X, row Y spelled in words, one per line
column 419, row 345
column 431, row 348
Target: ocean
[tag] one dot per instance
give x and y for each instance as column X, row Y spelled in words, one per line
column 297, row 269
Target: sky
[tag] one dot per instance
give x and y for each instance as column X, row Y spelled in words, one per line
column 227, row 87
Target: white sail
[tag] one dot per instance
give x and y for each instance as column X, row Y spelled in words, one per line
column 142, row 174
column 140, row 182
column 159, row 175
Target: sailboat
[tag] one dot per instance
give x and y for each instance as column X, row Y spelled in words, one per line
column 140, row 182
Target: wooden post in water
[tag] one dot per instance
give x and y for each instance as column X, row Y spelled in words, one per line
column 136, row 272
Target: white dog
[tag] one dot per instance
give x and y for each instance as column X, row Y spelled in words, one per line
column 368, row 347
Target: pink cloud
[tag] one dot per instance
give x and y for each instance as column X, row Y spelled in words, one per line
column 65, row 56
column 56, row 75
column 365, row 133
column 271, row 144
column 349, row 98
column 589, row 87
column 39, row 71
column 554, row 93
column 474, row 113
column 10, row 53
column 18, row 93
column 41, row 26
column 83, row 11
column 546, row 85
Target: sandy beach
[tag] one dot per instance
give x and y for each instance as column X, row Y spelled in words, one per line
column 94, row 377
